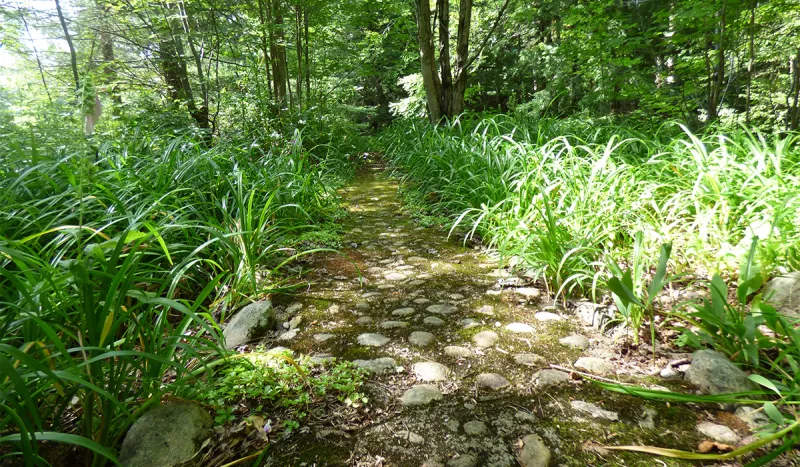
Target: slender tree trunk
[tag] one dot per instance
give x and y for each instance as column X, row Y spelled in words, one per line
column 462, row 55
column 73, row 56
column 265, row 47
column 751, row 62
column 308, row 46
column 430, row 79
column 446, row 99
column 173, row 66
column 298, row 13
column 719, row 71
column 280, row 75
column 109, row 63
column 793, row 114
column 201, row 114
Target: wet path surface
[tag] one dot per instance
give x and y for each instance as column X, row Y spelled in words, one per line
column 459, row 356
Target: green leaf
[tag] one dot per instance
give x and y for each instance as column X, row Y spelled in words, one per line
column 773, row 413
column 66, row 438
column 758, row 379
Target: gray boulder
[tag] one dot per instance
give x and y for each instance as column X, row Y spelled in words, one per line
column 713, row 373
column 783, row 292
column 249, row 323
column 166, row 435
column 534, row 453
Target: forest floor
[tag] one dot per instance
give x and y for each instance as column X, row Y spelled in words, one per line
column 462, row 357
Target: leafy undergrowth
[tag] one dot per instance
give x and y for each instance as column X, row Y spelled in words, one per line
column 565, row 198
column 117, row 262
column 262, row 396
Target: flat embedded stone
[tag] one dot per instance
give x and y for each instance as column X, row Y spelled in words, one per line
column 364, row 320
column 323, row 337
column 485, row 338
column 549, row 377
column 430, row 371
column 519, row 328
column 475, row 427
column 595, row 411
column 433, row 321
column 373, row 340
column 408, row 311
column 441, row 309
column 595, row 365
column 393, row 324
column 528, row 359
column 719, row 433
column 378, row 366
column 492, row 381
column 575, row 341
column 457, row 351
column 421, row 338
column 421, row 394
column 547, row 316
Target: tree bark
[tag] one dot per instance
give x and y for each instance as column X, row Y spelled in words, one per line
column 298, row 13
column 430, row 78
column 200, row 115
column 462, row 56
column 265, row 42
column 280, row 72
column 308, row 46
column 109, row 64
column 751, row 61
column 446, row 99
column 73, row 56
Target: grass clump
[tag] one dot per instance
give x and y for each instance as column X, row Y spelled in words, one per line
column 564, row 198
column 118, row 260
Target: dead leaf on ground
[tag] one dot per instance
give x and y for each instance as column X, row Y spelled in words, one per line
column 710, row 446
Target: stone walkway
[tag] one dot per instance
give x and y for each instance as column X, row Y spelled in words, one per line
column 459, row 356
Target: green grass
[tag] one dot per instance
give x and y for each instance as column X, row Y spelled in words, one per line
column 117, row 262
column 566, row 197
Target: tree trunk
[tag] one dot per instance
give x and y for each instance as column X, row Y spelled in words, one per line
column 793, row 114
column 308, row 46
column 173, row 66
column 719, row 71
column 265, row 41
column 298, row 13
column 462, row 55
column 280, row 74
column 73, row 57
column 109, row 64
column 200, row 115
column 752, row 59
column 430, row 78
column 446, row 99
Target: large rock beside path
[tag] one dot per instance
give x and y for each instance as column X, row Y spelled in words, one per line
column 165, row 436
column 783, row 292
column 251, row 322
column 534, row 453
column 713, row 373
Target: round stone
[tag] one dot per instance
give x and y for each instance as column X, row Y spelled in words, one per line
column 720, row 433
column 520, row 328
column 492, row 381
column 547, row 316
column 403, row 312
column 373, row 340
column 421, row 394
column 533, row 452
column 548, row 377
column 485, row 338
column 441, row 309
column 576, row 341
column 475, row 427
column 421, row 301
column 394, row 276
column 364, row 320
column 486, row 310
column 430, row 371
column 595, row 365
column 378, row 366
column 421, row 338
column 393, row 324
column 323, row 337
column 433, row 321
column 468, row 323
column 528, row 359
column 457, row 351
